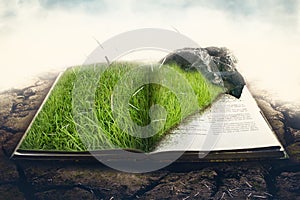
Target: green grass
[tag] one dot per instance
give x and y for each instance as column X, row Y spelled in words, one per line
column 71, row 121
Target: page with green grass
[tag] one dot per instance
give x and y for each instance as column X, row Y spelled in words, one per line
column 123, row 116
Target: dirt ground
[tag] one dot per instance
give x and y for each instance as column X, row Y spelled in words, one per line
column 56, row 180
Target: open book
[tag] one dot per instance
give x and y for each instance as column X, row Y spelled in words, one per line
column 231, row 129
column 228, row 129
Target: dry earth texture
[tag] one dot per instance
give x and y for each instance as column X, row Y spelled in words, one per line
column 55, row 180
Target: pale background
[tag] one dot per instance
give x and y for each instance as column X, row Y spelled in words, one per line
column 41, row 35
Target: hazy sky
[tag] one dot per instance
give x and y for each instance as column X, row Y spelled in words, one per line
column 39, row 35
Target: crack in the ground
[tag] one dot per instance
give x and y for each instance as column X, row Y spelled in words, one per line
column 270, row 180
column 272, row 173
column 147, row 188
column 9, row 137
column 29, row 190
column 8, row 129
column 218, row 182
column 5, row 152
column 96, row 191
column 24, row 186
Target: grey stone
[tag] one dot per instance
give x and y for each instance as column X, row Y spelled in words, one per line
column 216, row 64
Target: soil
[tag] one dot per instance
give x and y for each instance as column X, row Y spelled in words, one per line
column 56, row 180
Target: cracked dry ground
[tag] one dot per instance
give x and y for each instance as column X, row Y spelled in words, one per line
column 56, row 180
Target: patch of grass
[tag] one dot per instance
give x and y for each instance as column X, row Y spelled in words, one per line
column 57, row 126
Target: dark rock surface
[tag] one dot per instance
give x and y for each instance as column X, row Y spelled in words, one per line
column 55, row 180
column 289, row 187
column 216, row 64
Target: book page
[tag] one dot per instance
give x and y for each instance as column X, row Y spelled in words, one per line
column 229, row 124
